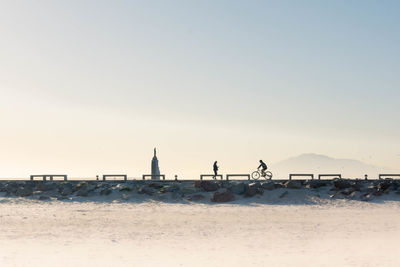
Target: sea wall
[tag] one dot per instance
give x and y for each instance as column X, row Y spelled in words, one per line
column 198, row 191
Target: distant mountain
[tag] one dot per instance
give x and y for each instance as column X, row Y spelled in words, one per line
column 318, row 164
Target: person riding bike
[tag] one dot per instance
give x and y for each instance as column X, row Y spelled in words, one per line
column 263, row 167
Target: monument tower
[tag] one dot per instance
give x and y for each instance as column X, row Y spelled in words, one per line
column 155, row 171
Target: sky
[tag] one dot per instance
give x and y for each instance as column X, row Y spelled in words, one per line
column 91, row 87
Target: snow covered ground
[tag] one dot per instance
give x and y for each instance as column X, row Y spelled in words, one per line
column 336, row 233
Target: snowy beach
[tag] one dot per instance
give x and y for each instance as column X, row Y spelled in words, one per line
column 92, row 232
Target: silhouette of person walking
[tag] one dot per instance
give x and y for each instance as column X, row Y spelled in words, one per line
column 215, row 167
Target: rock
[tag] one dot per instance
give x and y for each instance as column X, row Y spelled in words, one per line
column 44, row 198
column 209, row 186
column 251, row 191
column 80, row 186
column 223, row 196
column 144, row 189
column 357, row 186
column 65, row 188
column 195, row 197
column 238, row 188
column 315, row 184
column 293, row 184
column 11, row 188
column 341, row 184
column 169, row 188
column 367, row 197
column 156, row 185
column 46, row 186
column 197, row 184
column 188, row 190
column 278, row 185
column 2, row 187
column 268, row 185
column 255, row 185
column 125, row 188
column 284, row 194
column 348, row 191
column 24, row 191
column 383, row 186
column 105, row 191
column 83, row 192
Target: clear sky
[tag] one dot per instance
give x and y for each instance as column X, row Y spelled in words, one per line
column 90, row 87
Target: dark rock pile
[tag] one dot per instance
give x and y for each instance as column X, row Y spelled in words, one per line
column 216, row 191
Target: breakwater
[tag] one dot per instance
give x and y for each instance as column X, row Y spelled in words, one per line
column 200, row 190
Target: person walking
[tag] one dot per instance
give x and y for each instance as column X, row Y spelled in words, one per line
column 215, row 167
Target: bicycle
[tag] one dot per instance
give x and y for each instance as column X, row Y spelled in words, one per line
column 257, row 174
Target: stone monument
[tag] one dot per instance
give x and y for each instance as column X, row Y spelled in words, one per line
column 155, row 171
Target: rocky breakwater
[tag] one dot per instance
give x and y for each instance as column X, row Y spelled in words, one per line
column 189, row 191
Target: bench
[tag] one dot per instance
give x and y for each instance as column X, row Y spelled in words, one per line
column 388, row 175
column 51, row 176
column 115, row 175
column 156, row 175
column 301, row 174
column 329, row 175
column 210, row 175
column 237, row 175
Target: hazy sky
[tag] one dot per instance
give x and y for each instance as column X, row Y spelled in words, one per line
column 90, row 87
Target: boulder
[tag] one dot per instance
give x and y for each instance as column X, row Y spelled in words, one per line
column 24, row 191
column 2, row 187
column 188, row 190
column 209, row 186
column 46, row 186
column 341, row 184
column 315, row 184
column 80, row 186
column 223, row 196
column 293, row 184
column 125, row 188
column 65, row 188
column 197, row 184
column 367, row 197
column 278, row 185
column 238, row 188
column 384, row 185
column 255, row 185
column 268, row 185
column 44, row 198
column 144, row 189
column 11, row 188
column 105, row 191
column 348, row 191
column 251, row 191
column 195, row 197
column 83, row 192
column 169, row 188
column 156, row 185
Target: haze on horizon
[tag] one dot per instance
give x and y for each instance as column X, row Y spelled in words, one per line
column 91, row 87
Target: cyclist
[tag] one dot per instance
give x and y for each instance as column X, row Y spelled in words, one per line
column 263, row 167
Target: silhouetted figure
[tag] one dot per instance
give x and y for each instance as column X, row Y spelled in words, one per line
column 215, row 167
column 263, row 167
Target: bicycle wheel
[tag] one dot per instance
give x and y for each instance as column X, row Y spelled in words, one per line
column 255, row 175
column 268, row 175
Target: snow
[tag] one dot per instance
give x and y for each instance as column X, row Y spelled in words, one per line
column 151, row 233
